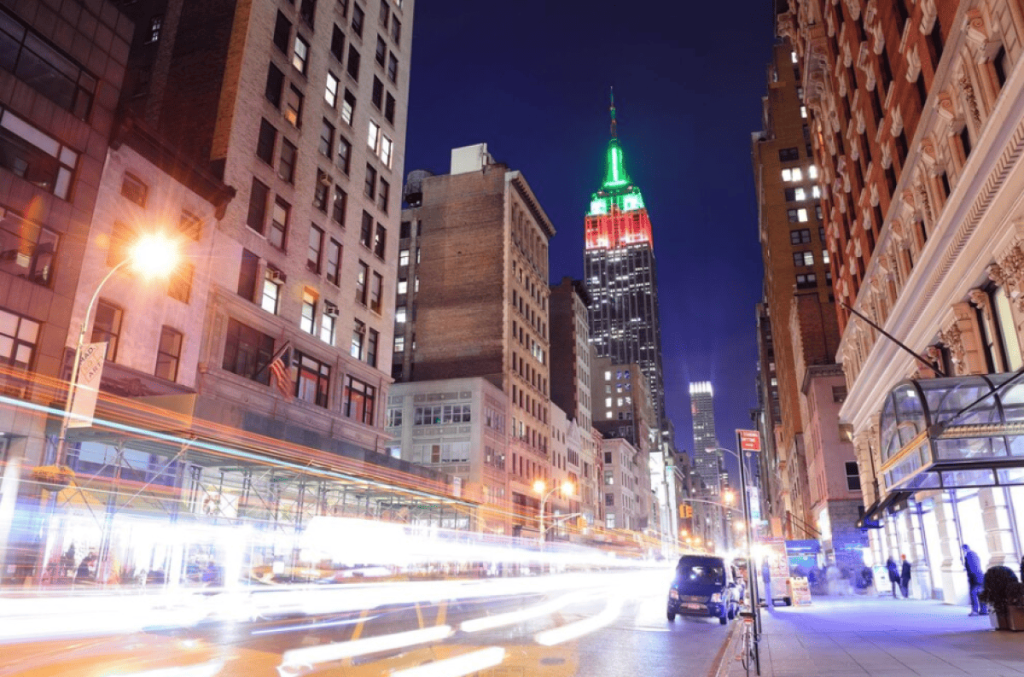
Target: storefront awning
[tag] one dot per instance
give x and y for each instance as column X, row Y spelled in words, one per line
column 950, row 433
column 872, row 515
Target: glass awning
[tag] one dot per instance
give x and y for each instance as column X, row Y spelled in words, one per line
column 948, row 433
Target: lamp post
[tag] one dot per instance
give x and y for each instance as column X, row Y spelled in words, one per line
column 152, row 255
column 539, row 486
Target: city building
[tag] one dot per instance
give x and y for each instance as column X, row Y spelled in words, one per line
column 811, row 452
column 707, row 461
column 58, row 93
column 916, row 116
column 773, row 492
column 458, row 427
column 621, row 276
column 476, row 301
column 572, row 358
column 627, row 485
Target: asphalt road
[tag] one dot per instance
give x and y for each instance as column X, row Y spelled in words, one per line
column 593, row 627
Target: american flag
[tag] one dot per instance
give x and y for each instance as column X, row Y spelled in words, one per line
column 279, row 372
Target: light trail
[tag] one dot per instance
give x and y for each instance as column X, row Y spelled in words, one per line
column 312, row 626
column 202, row 670
column 466, row 664
column 294, row 660
column 512, row 618
column 581, row 628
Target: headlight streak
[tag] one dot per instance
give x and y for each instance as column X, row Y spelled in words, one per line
column 312, row 626
column 202, row 670
column 466, row 664
column 581, row 628
column 501, row 620
column 293, row 660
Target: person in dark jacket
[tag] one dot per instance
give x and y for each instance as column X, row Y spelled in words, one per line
column 905, row 577
column 894, row 574
column 975, row 580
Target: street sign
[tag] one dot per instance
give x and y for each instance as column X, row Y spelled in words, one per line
column 86, row 391
column 750, row 440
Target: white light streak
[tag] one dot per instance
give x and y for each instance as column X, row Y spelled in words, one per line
column 312, row 655
column 581, row 628
column 465, row 664
column 501, row 620
column 202, row 670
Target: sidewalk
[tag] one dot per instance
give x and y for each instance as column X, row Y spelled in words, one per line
column 857, row 636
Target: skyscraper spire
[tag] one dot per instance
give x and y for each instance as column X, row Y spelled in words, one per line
column 615, row 132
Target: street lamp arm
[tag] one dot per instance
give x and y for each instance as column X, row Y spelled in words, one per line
column 714, row 503
column 73, row 382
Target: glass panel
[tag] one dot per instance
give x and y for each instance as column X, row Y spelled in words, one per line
column 1016, row 445
column 926, row 480
column 1011, row 476
column 888, row 426
column 983, row 447
column 908, row 411
column 968, row 478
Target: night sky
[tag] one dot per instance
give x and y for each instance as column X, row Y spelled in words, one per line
column 530, row 79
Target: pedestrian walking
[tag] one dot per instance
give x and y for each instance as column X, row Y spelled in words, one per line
column 894, row 574
column 905, row 577
column 975, row 579
column 766, row 576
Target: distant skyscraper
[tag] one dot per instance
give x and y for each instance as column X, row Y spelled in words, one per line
column 702, row 406
column 621, row 275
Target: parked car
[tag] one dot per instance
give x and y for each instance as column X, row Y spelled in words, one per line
column 703, row 586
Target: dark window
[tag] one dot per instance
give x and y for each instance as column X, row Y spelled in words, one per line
column 999, row 66
column 806, row 281
column 247, row 352
column 366, row 230
column 802, row 236
column 257, row 216
column 343, row 7
column 371, row 347
column 333, row 261
column 353, row 62
column 275, row 83
column 18, row 339
column 380, row 239
column 965, row 141
column 389, row 108
column 316, row 244
column 396, row 30
column 370, row 187
column 852, row 476
column 107, row 327
column 803, row 258
column 339, row 206
column 134, row 189
column 922, row 91
column 40, row 66
column 279, row 223
column 392, row 68
column 348, row 107
column 122, row 238
column 307, row 11
column 314, row 380
column 357, row 20
column 282, row 32
column 338, row 44
column 179, row 284
column 267, row 141
column 376, row 289
column 344, row 154
column 35, row 156
column 404, row 230
column 789, row 154
column 168, row 354
column 790, row 194
column 326, row 138
column 381, row 55
column 944, row 182
column 383, row 195
column 385, row 13
column 376, row 98
column 359, row 400
column 286, row 167
column 247, row 275
column 29, row 250
column 321, row 190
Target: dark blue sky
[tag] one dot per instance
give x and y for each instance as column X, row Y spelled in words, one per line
column 531, row 80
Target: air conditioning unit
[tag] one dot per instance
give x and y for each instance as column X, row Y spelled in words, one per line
column 275, row 276
column 330, row 310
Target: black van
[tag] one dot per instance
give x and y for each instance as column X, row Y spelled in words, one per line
column 703, row 586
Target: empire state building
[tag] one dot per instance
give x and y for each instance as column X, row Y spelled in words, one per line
column 621, row 275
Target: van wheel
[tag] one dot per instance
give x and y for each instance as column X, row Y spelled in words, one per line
column 671, row 615
column 787, row 601
column 722, row 620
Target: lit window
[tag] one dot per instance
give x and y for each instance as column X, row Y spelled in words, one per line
column 400, row 315
column 803, row 111
column 327, row 323
column 300, row 55
column 800, row 194
column 801, row 215
column 812, row 171
column 824, row 256
column 792, row 56
column 373, row 136
column 399, row 344
column 307, row 322
column 403, row 286
column 271, row 291
column 386, row 146
column 331, row 93
column 403, row 257
column 815, row 192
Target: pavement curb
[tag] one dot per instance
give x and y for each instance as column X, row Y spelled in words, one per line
column 724, row 658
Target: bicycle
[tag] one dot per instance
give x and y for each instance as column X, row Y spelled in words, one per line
column 749, row 656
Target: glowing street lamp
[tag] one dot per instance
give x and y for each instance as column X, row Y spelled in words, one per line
column 151, row 256
column 566, row 488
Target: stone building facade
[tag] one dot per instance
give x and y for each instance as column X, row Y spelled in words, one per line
column 917, row 122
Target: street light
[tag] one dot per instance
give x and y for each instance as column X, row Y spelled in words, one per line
column 151, row 256
column 539, row 486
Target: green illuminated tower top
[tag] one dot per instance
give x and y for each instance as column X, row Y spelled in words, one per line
column 617, row 190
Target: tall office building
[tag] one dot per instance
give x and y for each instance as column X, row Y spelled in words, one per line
column 702, row 407
column 621, row 275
